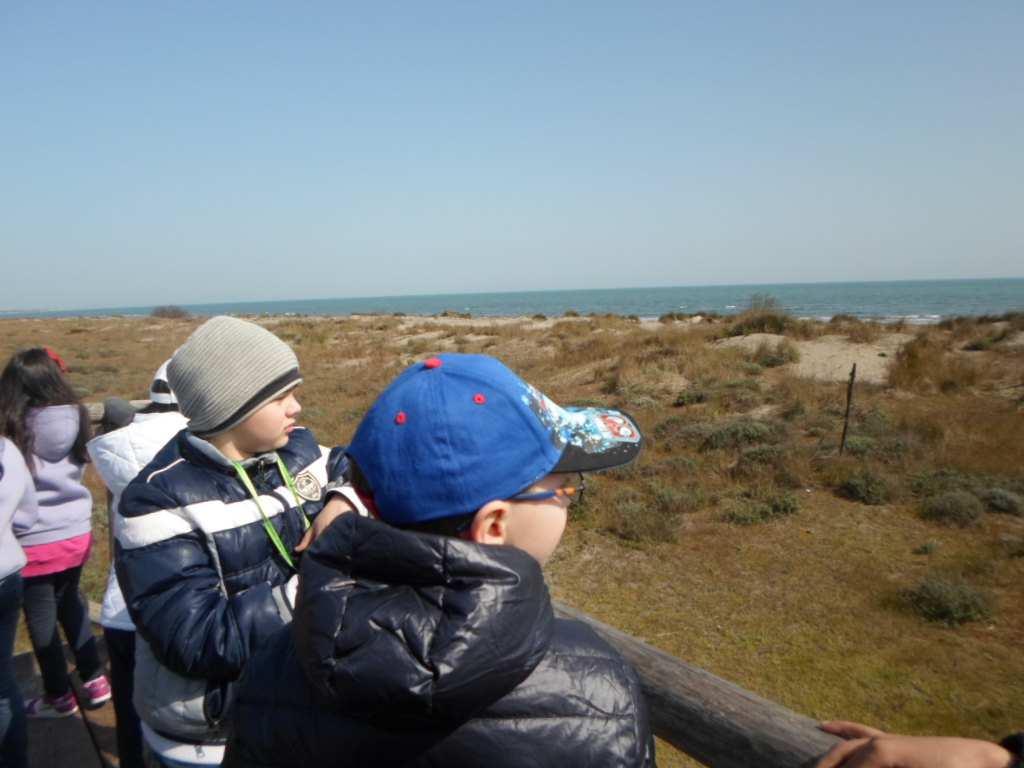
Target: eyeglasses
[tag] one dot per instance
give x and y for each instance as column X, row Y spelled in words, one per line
column 572, row 492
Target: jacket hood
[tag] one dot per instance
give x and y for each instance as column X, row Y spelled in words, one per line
column 54, row 430
column 412, row 626
column 120, row 455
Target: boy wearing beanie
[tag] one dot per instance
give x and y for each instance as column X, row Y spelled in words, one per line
column 427, row 637
column 207, row 531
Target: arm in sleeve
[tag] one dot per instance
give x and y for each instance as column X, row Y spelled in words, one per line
column 177, row 600
column 23, row 490
column 338, row 469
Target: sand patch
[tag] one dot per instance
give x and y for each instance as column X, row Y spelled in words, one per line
column 829, row 358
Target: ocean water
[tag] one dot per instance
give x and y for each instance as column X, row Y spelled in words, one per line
column 918, row 301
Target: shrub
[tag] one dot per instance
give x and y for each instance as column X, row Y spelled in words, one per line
column 857, row 445
column 947, row 601
column 772, row 356
column 939, row 481
column 670, row 500
column 538, row 316
column 1003, row 501
column 928, row 548
column 670, row 317
column 922, row 364
column 865, row 486
column 958, row 508
column 690, row 397
column 170, row 312
column 761, row 321
column 635, row 520
column 678, row 430
column 570, row 313
column 739, row 433
column 454, row 313
column 751, row 511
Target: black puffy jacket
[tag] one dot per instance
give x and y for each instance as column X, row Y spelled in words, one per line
column 417, row 650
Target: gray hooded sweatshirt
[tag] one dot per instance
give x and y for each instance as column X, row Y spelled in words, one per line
column 65, row 504
column 18, row 509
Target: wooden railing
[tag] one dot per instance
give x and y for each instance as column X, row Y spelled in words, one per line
column 714, row 721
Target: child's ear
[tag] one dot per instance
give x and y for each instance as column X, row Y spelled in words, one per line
column 490, row 524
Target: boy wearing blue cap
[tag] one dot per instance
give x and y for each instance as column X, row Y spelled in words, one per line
column 427, row 637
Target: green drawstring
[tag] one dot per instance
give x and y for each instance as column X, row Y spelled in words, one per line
column 272, row 533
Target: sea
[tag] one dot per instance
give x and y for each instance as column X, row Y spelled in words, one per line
column 913, row 301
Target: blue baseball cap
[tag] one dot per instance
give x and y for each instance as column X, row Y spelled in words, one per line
column 454, row 432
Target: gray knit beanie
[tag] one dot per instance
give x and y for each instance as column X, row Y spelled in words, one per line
column 226, row 370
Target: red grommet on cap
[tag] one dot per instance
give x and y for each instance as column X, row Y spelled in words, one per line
column 479, row 399
column 432, row 362
column 400, row 418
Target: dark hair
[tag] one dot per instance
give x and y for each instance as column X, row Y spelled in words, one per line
column 453, row 526
column 32, row 379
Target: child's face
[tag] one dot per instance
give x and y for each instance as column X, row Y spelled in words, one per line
column 269, row 427
column 537, row 526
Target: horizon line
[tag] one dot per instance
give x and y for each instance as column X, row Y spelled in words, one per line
column 13, row 311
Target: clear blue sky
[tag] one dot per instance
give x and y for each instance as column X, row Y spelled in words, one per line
column 184, row 152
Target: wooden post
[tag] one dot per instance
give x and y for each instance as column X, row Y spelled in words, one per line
column 849, row 402
column 714, row 721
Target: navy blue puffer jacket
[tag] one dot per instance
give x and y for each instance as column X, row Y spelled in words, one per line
column 417, row 650
column 203, row 582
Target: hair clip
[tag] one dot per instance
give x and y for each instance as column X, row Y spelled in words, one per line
column 57, row 359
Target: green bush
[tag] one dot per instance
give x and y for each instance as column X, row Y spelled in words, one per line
column 690, row 397
column 751, row 511
column 940, row 481
column 676, row 431
column 740, row 433
column 948, row 601
column 865, row 486
column 857, row 445
column 774, row 355
column 928, row 548
column 958, row 508
column 671, row 500
column 170, row 312
column 637, row 521
column 1003, row 502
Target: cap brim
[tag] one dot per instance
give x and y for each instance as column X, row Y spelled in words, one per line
column 600, row 439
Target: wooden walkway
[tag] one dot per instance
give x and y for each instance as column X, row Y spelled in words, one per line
column 86, row 740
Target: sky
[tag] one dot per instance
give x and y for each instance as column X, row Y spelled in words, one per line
column 192, row 152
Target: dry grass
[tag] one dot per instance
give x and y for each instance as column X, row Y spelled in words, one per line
column 801, row 602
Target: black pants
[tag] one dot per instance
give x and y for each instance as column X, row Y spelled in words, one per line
column 49, row 599
column 121, row 650
column 13, row 743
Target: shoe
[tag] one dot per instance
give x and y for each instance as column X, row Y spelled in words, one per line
column 97, row 690
column 52, row 706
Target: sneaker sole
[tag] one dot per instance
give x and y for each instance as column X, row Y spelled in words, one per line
column 99, row 700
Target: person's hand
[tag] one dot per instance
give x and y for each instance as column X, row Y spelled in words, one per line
column 867, row 747
column 334, row 508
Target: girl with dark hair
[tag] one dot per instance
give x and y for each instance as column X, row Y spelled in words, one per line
column 41, row 414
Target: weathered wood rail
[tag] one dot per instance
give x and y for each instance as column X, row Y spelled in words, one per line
column 714, row 721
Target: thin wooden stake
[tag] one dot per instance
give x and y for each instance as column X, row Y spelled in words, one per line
column 849, row 402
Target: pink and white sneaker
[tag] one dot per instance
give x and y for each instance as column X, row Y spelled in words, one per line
column 47, row 706
column 97, row 690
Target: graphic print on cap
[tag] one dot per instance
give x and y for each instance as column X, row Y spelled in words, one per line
column 591, row 438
